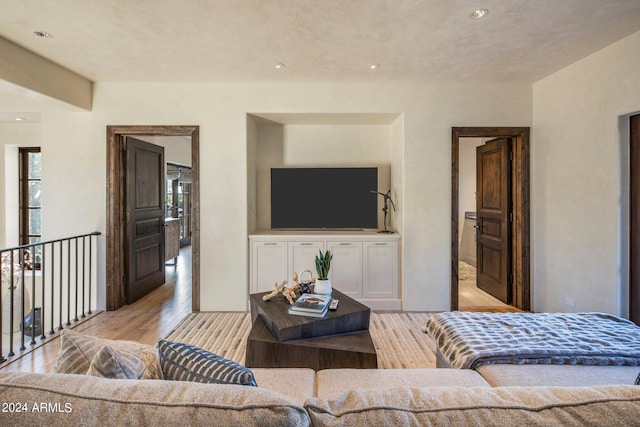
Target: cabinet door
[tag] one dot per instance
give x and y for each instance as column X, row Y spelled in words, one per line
column 269, row 265
column 346, row 267
column 380, row 270
column 302, row 256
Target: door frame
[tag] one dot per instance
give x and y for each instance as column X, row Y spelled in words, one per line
column 520, row 236
column 634, row 218
column 116, row 224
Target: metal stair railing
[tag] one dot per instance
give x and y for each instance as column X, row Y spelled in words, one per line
column 57, row 276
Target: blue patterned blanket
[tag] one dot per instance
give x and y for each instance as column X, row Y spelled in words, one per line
column 468, row 340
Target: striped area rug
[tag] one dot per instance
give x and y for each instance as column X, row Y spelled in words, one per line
column 398, row 337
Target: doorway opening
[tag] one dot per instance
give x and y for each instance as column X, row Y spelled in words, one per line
column 517, row 218
column 116, row 214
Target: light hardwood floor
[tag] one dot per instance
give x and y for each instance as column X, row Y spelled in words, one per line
column 145, row 320
column 472, row 298
column 153, row 316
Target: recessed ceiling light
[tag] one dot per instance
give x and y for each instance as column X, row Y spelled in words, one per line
column 43, row 34
column 19, row 119
column 479, row 13
column 279, row 65
column 374, row 66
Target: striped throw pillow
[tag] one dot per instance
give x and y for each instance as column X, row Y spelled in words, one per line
column 184, row 362
column 638, row 380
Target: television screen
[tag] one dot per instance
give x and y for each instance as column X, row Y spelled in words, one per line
column 331, row 198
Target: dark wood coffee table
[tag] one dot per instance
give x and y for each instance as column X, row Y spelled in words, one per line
column 341, row 339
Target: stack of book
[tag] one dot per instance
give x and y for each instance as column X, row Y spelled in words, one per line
column 312, row 305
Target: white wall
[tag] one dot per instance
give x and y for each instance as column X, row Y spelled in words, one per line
column 421, row 153
column 467, row 178
column 252, row 165
column 577, row 169
column 314, row 145
column 66, row 190
column 320, row 145
column 220, row 111
column 74, row 183
column 578, row 164
column 177, row 149
column 268, row 154
column 12, row 136
column 397, row 174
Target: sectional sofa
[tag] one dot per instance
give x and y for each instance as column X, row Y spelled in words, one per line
column 491, row 395
column 301, row 397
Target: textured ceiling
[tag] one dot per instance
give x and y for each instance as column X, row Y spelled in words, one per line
column 317, row 40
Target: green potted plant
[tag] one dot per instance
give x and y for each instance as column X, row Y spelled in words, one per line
column 323, row 264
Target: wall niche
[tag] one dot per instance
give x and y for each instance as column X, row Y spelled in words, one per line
column 277, row 140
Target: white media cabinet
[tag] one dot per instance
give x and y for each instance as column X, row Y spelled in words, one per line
column 364, row 266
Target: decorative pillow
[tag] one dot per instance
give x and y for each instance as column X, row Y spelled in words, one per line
column 77, row 351
column 638, row 380
column 184, row 362
column 124, row 364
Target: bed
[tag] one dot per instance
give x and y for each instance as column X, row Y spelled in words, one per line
column 467, row 340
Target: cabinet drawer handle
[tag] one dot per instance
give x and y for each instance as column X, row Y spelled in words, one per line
column 380, row 244
column 345, row 244
column 306, row 244
column 270, row 244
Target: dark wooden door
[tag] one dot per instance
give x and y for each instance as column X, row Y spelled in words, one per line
column 634, row 219
column 493, row 210
column 145, row 212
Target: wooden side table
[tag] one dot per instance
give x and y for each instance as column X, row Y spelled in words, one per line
column 341, row 339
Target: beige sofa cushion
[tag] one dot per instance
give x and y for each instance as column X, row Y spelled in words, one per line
column 557, row 375
column 331, row 383
column 125, row 365
column 78, row 350
column 504, row 406
column 297, row 383
column 93, row 401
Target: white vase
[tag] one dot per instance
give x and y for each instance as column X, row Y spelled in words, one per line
column 322, row 287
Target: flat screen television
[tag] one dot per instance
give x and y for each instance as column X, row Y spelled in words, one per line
column 324, row 198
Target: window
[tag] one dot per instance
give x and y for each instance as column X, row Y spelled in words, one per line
column 30, row 196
